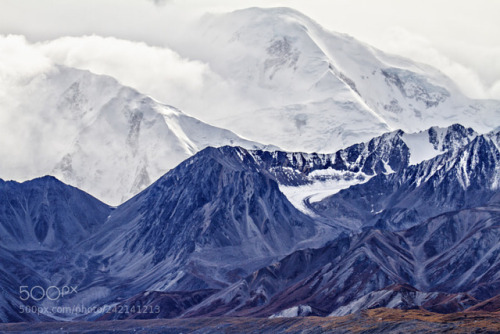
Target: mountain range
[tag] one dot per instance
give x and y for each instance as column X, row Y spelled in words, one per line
column 217, row 237
column 347, row 180
column 315, row 91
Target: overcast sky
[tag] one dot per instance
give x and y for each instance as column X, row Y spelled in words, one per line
column 462, row 38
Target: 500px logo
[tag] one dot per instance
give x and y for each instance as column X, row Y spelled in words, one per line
column 38, row 293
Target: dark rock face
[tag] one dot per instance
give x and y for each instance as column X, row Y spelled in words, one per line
column 257, row 290
column 455, row 180
column 220, row 198
column 373, row 157
column 460, row 250
column 350, row 270
column 40, row 222
column 46, row 214
column 415, row 87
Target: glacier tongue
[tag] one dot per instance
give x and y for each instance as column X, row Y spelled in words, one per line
column 322, row 184
column 310, row 178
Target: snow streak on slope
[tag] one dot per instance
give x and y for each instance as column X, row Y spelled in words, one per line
column 296, row 311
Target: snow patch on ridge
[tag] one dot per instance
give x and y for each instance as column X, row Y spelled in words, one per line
column 420, row 147
column 292, row 312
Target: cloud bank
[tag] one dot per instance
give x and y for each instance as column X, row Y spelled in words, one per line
column 156, row 71
column 21, row 130
column 159, row 72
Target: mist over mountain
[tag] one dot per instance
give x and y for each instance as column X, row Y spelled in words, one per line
column 346, row 179
column 262, row 78
column 103, row 137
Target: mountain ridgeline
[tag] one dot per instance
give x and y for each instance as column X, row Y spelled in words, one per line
column 404, row 221
column 315, row 91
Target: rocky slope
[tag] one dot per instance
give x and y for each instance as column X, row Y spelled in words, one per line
column 216, row 236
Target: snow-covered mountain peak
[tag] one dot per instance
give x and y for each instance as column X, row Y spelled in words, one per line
column 103, row 137
column 293, row 84
column 327, row 89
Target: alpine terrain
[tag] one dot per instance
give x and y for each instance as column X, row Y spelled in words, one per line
column 352, row 189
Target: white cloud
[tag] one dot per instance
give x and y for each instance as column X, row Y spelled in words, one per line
column 159, row 72
column 494, row 90
column 19, row 60
column 156, row 71
column 19, row 64
column 21, row 131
